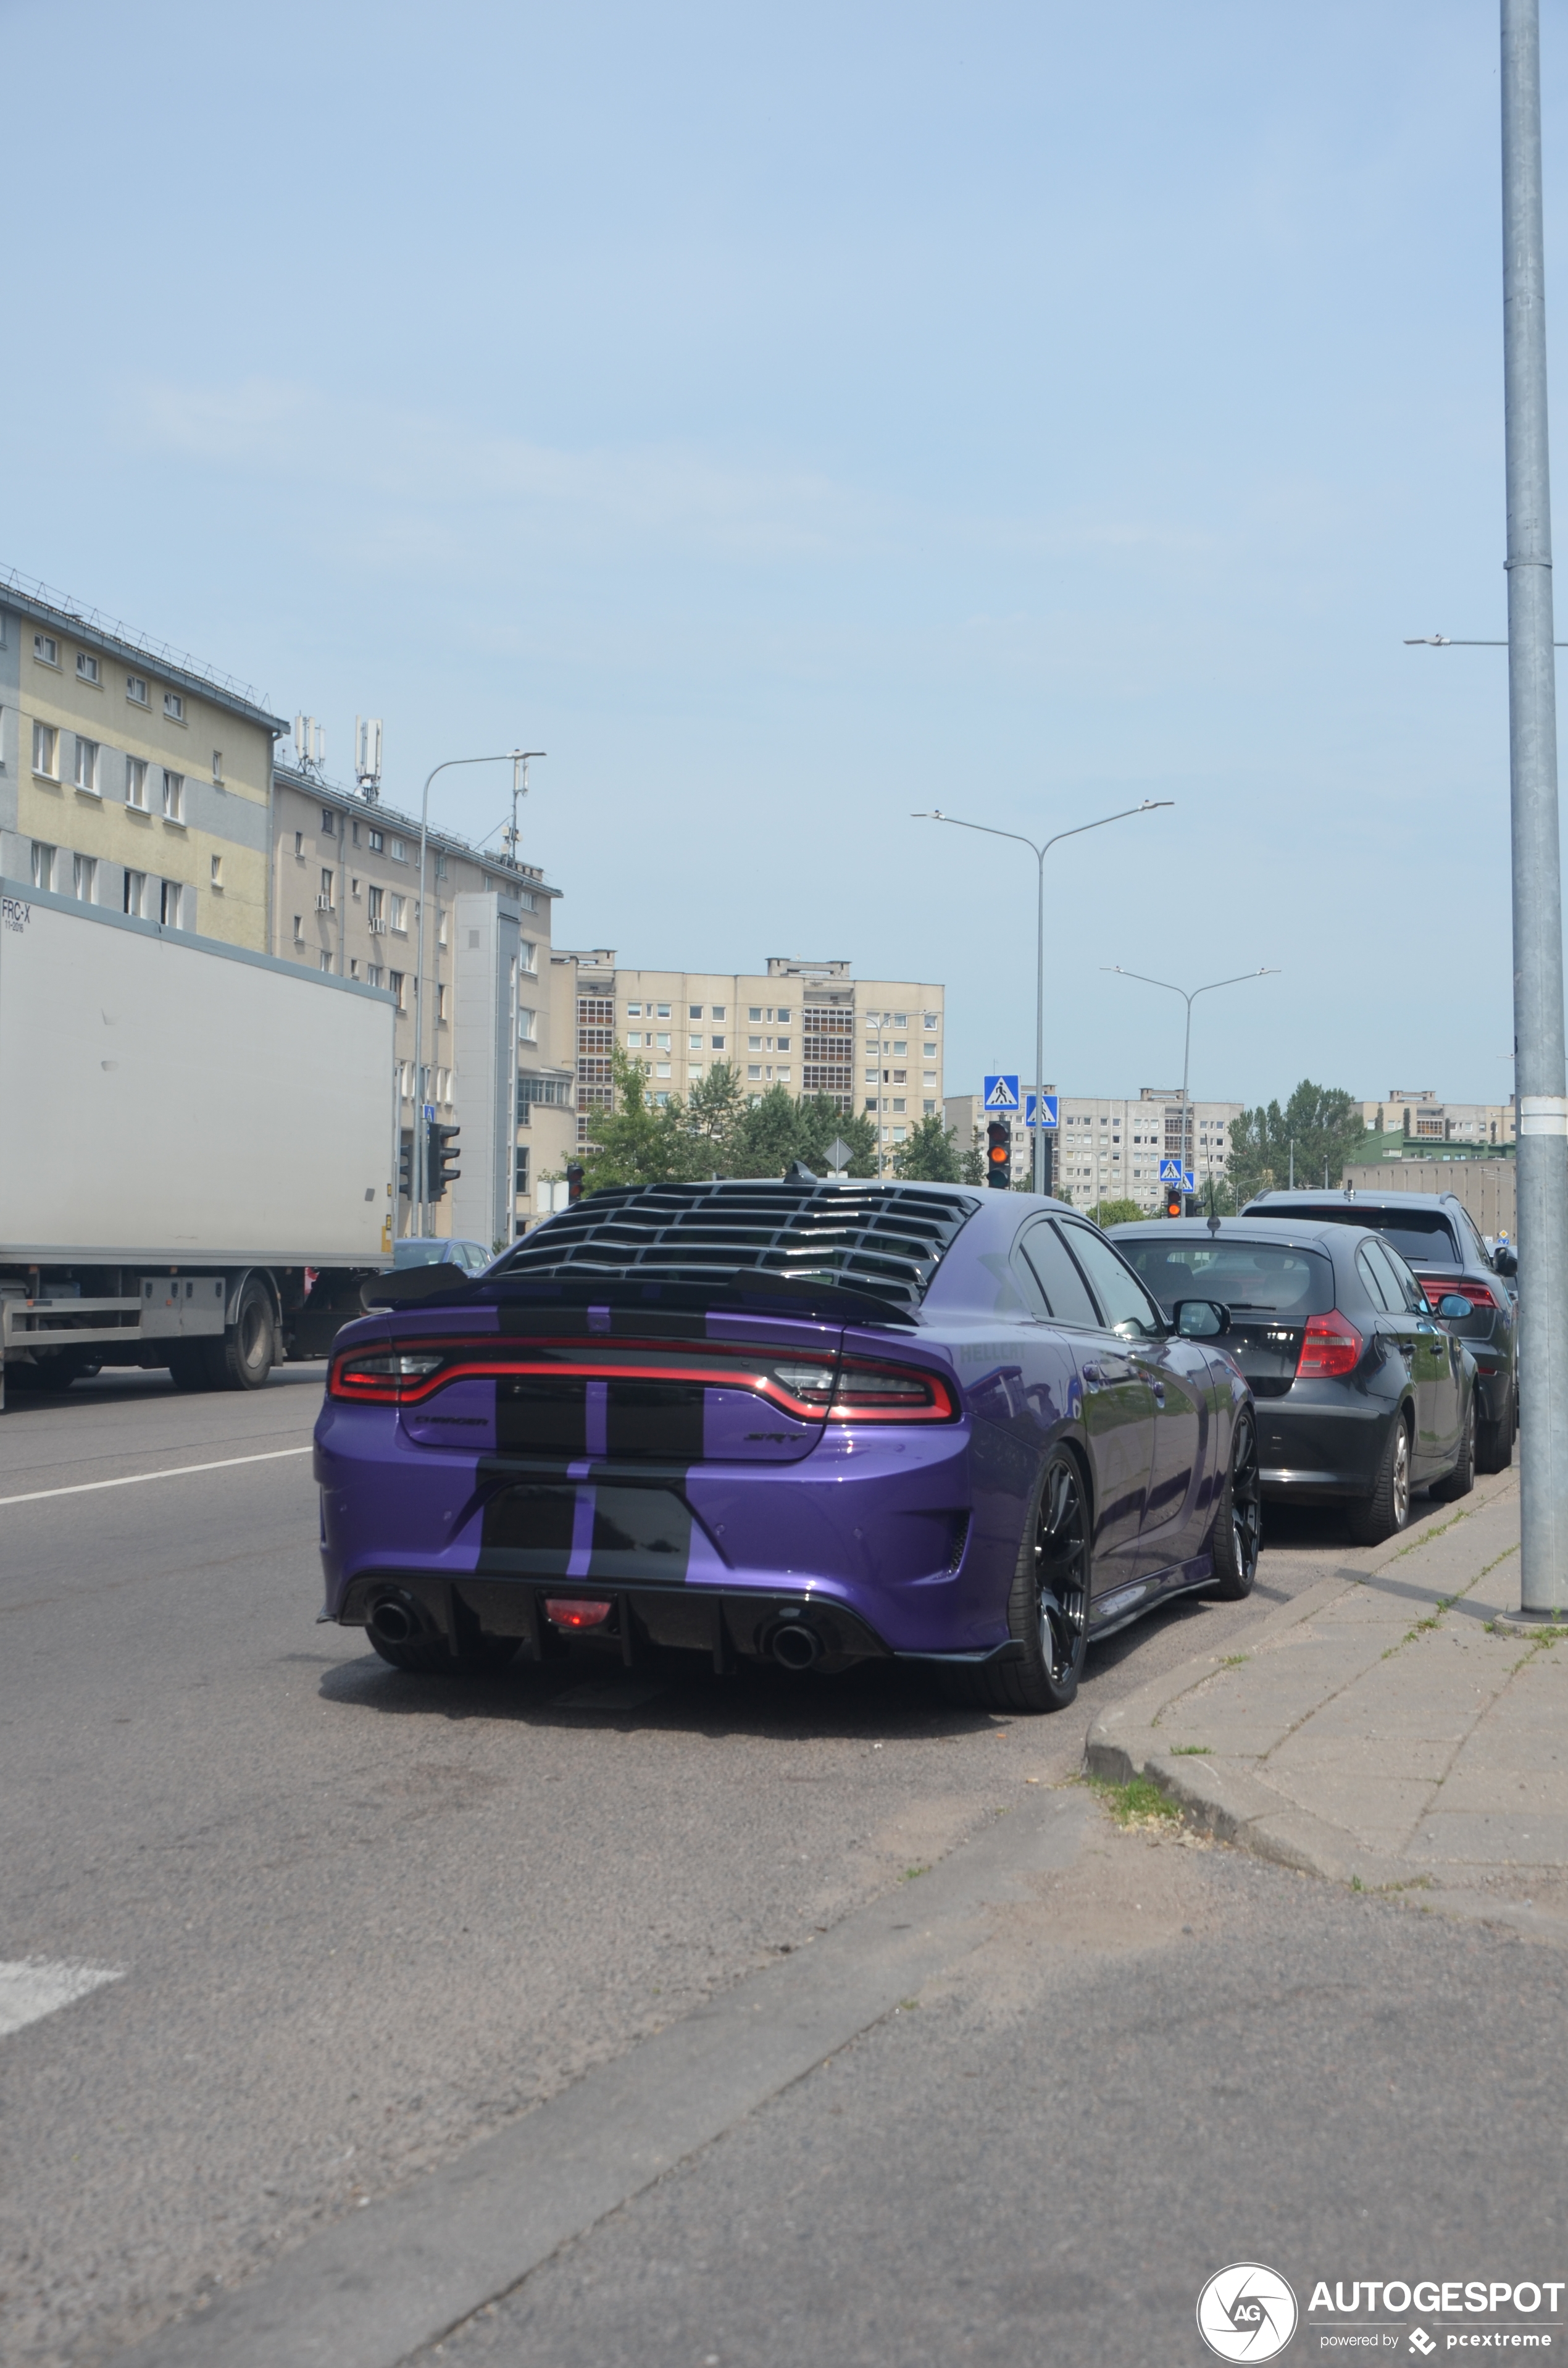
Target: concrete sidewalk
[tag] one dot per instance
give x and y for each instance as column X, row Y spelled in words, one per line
column 1395, row 1725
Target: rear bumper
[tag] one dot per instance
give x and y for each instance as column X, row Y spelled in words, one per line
column 728, row 1625
column 1321, row 1449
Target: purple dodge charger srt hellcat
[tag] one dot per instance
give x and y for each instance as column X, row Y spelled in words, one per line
column 815, row 1422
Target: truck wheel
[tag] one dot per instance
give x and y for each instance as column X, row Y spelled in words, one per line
column 243, row 1359
column 188, row 1368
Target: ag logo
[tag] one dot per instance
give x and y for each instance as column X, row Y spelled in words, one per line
column 1246, row 2312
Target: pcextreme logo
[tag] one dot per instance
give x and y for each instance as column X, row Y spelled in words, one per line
column 1246, row 2312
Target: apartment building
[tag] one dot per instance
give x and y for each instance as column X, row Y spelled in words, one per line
column 346, row 900
column 1108, row 1149
column 129, row 776
column 811, row 1027
column 1418, row 1117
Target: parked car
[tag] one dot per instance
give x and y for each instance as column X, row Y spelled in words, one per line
column 1364, row 1392
column 432, row 1249
column 805, row 1422
column 1436, row 1235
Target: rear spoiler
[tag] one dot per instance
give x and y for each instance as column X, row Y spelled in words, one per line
column 808, row 1296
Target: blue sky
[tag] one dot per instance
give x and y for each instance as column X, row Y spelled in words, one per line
column 791, row 418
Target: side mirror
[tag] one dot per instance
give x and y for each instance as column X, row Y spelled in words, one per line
column 1504, row 1260
column 1201, row 1320
column 1453, row 1304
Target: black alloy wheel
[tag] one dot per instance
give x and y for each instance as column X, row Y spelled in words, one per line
column 1237, row 1538
column 1048, row 1611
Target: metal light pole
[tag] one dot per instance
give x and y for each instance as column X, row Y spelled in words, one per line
column 1189, row 997
column 520, row 789
column 1149, row 805
column 421, row 1178
column 1542, row 1080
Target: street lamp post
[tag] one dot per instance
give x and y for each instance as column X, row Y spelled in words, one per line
column 1149, row 805
column 421, row 1177
column 520, row 790
column 1189, row 996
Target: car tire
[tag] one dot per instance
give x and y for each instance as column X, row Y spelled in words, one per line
column 1461, row 1479
column 1387, row 1511
column 429, row 1656
column 1494, row 1440
column 1048, row 1611
column 245, row 1355
column 1236, row 1540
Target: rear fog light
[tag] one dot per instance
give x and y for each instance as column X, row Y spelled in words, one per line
column 576, row 1611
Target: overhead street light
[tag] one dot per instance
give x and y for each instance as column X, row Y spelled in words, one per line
column 1449, row 642
column 421, row 1177
column 1149, row 805
column 1189, row 996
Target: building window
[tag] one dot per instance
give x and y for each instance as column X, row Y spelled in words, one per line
column 174, row 796
column 376, row 842
column 323, row 901
column 898, row 1105
column 373, row 975
column 783, row 1016
column 44, row 859
column 440, row 861
column 136, row 690
column 375, row 920
column 634, row 1036
column 930, row 1020
column 46, row 746
column 136, row 782
column 529, row 954
column 353, row 967
column 694, row 1010
column 694, row 1044
column 216, row 871
column 136, row 895
column 87, row 665
column 354, row 832
column 398, row 912
column 717, row 1011
column 718, row 1043
column 325, row 962
column 440, row 1003
column 927, row 1108
column 46, row 649
column 87, row 765
column 754, row 1043
column 329, row 823
column 354, row 889
column 901, row 1020
column 528, row 1025
column 527, row 900
column 399, row 851
column 218, row 766
column 84, row 878
column 396, row 981
column 298, row 930
column 753, row 1070
column 174, row 706
column 300, row 845
column 171, row 903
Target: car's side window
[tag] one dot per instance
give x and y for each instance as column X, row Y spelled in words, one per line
column 1127, row 1306
column 1374, row 1276
column 1057, row 1280
column 1411, row 1295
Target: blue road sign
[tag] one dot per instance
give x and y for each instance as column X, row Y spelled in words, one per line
column 1186, row 1183
column 1171, row 1173
column 429, row 1109
column 1002, row 1093
column 1052, row 1102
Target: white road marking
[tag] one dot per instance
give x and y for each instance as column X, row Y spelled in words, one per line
column 135, row 1479
column 31, row 1988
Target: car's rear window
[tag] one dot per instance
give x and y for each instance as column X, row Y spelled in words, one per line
column 1259, row 1278
column 1424, row 1240
column 884, row 1241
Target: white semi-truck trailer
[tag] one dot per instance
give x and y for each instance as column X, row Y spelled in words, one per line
column 197, row 1150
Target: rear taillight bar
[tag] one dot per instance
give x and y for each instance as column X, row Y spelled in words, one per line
column 1479, row 1294
column 812, row 1389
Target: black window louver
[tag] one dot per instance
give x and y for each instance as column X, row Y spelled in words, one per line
column 883, row 1241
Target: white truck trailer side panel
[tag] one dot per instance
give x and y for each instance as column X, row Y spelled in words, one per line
column 166, row 1099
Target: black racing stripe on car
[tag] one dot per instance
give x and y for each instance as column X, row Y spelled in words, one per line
column 640, row 1533
column 658, row 1419
column 527, row 1531
column 547, row 1417
column 655, row 1324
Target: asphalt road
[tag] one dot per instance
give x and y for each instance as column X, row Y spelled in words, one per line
column 359, row 1919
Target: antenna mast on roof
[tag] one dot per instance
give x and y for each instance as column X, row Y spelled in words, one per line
column 367, row 756
column 308, row 746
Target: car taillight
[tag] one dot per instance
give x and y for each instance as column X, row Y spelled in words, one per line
column 1330, row 1345
column 1479, row 1294
column 378, row 1376
column 868, row 1393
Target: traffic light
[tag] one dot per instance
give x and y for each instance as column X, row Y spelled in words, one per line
column 441, row 1154
column 1172, row 1202
column 406, row 1163
column 998, row 1154
column 574, row 1180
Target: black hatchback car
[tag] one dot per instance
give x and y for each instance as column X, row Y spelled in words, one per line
column 1363, row 1392
column 1433, row 1232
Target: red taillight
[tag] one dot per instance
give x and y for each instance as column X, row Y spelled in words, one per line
column 868, row 1393
column 381, row 1376
column 1479, row 1294
column 576, row 1611
column 1330, row 1345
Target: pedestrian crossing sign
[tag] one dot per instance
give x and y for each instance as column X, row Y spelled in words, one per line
column 1002, row 1093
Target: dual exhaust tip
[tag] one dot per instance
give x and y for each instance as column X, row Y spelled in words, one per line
column 399, row 1620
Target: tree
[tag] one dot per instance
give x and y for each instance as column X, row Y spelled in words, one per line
column 639, row 1141
column 714, row 1114
column 1323, row 1123
column 821, row 1120
column 928, row 1156
column 1105, row 1213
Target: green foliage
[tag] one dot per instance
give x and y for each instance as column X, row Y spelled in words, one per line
column 1105, row 1213
column 720, row 1133
column 928, row 1156
column 1325, row 1125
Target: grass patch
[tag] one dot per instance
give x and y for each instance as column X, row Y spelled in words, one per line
column 1234, row 1660
column 1137, row 1803
column 1191, row 1751
column 911, row 1874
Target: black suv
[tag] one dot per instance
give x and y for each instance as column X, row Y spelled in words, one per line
column 1436, row 1235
